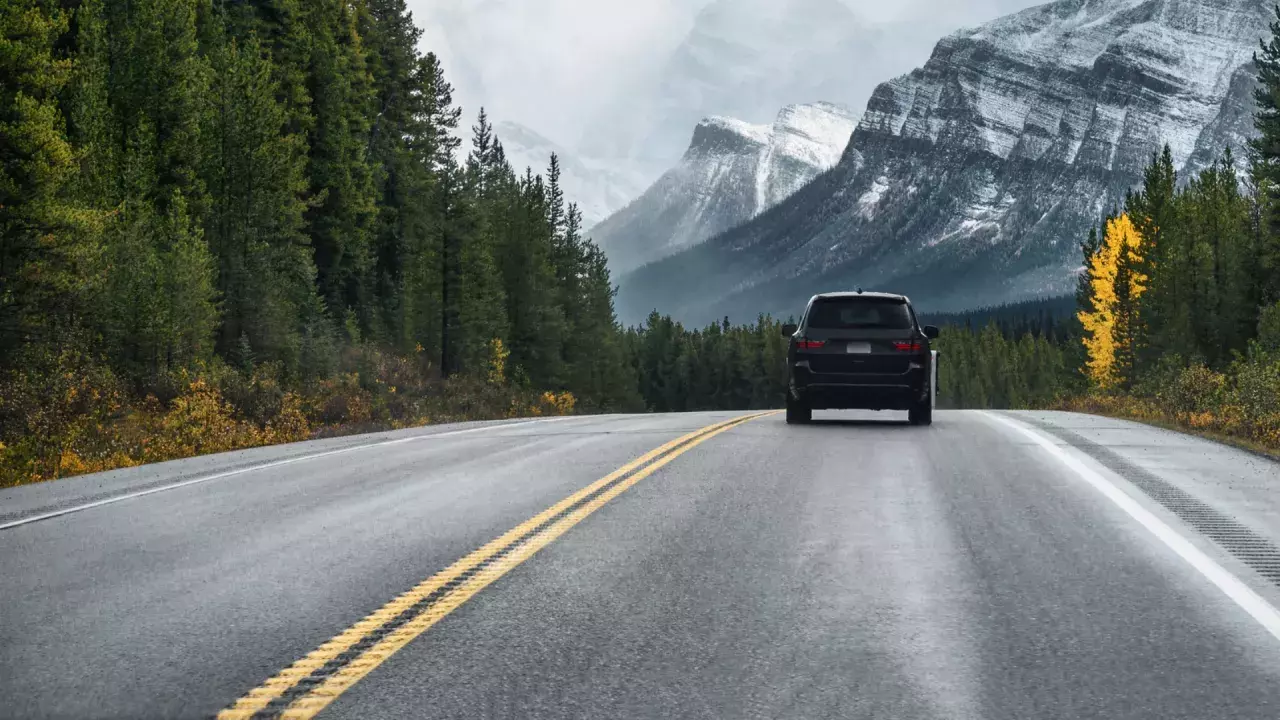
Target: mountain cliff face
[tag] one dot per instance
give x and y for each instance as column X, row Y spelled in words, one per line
column 597, row 187
column 731, row 171
column 972, row 180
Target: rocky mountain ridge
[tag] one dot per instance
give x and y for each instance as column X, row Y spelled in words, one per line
column 971, row 180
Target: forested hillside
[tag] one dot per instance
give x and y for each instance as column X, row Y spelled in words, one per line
column 251, row 211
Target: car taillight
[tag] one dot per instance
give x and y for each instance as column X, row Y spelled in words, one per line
column 907, row 346
column 810, row 344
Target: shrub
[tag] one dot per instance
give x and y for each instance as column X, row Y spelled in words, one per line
column 55, row 417
column 557, row 403
column 1257, row 395
column 198, row 422
column 341, row 401
column 1243, row 402
column 1269, row 328
column 257, row 397
column 64, row 414
column 1194, row 391
column 290, row 424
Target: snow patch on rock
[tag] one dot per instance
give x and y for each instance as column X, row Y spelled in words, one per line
column 871, row 198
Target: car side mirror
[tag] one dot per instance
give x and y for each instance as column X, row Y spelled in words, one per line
column 789, row 329
column 931, row 332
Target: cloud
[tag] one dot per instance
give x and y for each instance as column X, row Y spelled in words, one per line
column 959, row 13
column 553, row 65
column 547, row 63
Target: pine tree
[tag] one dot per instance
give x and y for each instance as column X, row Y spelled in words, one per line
column 282, row 27
column 1266, row 146
column 47, row 244
column 438, row 142
column 431, row 147
column 255, row 174
column 1221, row 255
column 265, row 182
column 402, row 173
column 555, row 200
column 341, row 220
column 455, row 223
column 481, row 299
column 1153, row 211
column 1266, row 157
column 536, row 318
column 1084, row 281
column 160, row 314
column 479, row 160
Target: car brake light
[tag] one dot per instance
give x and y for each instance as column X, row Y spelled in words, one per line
column 907, row 346
column 810, row 344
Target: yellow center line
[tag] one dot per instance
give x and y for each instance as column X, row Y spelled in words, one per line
column 320, row 696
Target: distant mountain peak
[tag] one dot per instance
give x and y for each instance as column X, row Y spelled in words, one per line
column 731, row 172
column 719, row 134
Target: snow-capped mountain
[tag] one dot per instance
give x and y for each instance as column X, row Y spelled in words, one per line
column 597, row 187
column 972, row 180
column 731, row 172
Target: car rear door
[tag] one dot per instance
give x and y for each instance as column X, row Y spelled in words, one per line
column 859, row 335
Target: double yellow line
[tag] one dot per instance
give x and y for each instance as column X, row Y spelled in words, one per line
column 306, row 687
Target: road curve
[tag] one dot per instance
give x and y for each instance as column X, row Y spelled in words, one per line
column 994, row 565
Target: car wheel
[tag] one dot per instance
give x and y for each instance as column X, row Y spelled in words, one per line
column 921, row 414
column 797, row 412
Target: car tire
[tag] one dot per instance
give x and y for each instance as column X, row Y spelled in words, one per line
column 921, row 414
column 797, row 412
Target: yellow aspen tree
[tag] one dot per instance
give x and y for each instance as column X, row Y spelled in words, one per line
column 1116, row 283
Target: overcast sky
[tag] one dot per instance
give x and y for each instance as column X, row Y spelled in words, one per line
column 549, row 64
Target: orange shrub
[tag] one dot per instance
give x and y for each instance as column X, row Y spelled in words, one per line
column 199, row 422
column 341, row 401
column 55, row 417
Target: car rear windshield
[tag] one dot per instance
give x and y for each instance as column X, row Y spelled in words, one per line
column 854, row 313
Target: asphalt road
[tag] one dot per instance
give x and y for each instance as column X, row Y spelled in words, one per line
column 1060, row 567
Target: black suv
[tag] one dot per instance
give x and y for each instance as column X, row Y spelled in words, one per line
column 860, row 350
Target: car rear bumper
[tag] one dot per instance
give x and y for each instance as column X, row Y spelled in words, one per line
column 846, row 391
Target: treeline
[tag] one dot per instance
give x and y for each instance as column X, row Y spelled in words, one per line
column 260, row 200
column 993, row 367
column 720, row 367
column 1025, row 362
column 1053, row 318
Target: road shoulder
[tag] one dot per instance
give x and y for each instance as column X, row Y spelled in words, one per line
column 1225, row 499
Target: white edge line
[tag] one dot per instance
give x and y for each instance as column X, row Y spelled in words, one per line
column 265, row 466
column 1244, row 596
